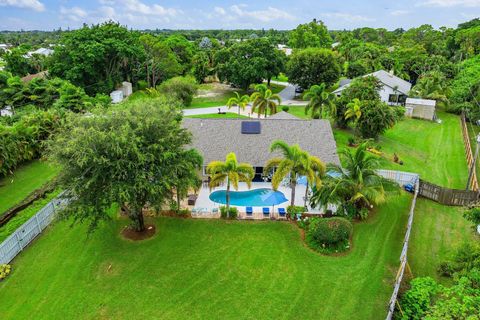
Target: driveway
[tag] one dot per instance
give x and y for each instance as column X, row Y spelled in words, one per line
column 288, row 94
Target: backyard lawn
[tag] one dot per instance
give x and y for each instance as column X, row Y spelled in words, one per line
column 26, row 179
column 205, row 269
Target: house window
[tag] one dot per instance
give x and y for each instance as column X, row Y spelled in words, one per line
column 394, row 98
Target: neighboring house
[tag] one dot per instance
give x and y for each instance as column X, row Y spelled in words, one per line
column 41, row 51
column 4, row 46
column 394, row 89
column 420, row 108
column 250, row 139
column 288, row 51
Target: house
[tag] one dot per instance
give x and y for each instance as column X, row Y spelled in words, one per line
column 4, row 46
column 250, row 139
column 420, row 108
column 288, row 51
column 41, row 51
column 394, row 90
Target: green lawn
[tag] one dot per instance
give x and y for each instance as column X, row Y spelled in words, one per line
column 222, row 97
column 26, row 179
column 205, row 269
column 228, row 115
column 437, row 231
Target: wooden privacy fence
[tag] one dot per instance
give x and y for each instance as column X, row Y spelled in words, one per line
column 17, row 241
column 469, row 154
column 403, row 256
column 446, row 196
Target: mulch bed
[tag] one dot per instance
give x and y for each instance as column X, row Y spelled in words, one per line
column 131, row 234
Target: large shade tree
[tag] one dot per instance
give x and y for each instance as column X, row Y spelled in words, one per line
column 313, row 66
column 132, row 156
column 232, row 172
column 295, row 162
column 355, row 186
column 312, row 34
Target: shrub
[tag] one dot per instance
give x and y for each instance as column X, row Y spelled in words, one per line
column 181, row 88
column 329, row 234
column 285, row 108
column 233, row 212
column 294, row 210
column 466, row 258
column 142, row 85
column 416, row 301
column 5, row 270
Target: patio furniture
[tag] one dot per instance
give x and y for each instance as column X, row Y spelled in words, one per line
column 249, row 211
column 282, row 213
column 266, row 212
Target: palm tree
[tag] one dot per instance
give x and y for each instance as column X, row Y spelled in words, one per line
column 240, row 102
column 320, row 101
column 295, row 162
column 314, row 171
column 356, row 186
column 433, row 85
column 233, row 172
column 264, row 99
column 353, row 110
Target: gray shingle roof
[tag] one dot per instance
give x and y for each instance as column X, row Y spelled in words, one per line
column 386, row 79
column 215, row 138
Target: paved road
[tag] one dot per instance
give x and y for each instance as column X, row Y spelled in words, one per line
column 288, row 94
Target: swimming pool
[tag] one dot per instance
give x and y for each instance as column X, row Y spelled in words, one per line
column 251, row 198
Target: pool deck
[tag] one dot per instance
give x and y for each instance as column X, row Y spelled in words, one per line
column 206, row 208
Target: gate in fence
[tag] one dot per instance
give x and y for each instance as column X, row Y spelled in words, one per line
column 17, row 241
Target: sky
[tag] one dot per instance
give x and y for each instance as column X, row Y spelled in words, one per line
column 236, row 14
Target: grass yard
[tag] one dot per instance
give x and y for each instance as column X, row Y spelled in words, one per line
column 433, row 150
column 437, row 231
column 26, row 179
column 205, row 269
column 228, row 115
column 222, row 95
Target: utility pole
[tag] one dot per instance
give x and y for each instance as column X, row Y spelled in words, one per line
column 472, row 167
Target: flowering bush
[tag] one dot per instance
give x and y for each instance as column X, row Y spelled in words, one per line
column 5, row 270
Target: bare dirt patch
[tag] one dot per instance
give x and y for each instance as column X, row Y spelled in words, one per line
column 130, row 234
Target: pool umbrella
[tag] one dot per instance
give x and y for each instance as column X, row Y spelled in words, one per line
column 274, row 198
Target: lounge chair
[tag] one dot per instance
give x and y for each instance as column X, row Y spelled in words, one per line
column 266, row 212
column 249, row 211
column 282, row 213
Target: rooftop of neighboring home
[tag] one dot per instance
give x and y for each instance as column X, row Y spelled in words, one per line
column 40, row 51
column 250, row 140
column 422, row 102
column 387, row 79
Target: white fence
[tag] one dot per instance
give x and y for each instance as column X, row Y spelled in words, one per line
column 17, row 241
column 401, row 177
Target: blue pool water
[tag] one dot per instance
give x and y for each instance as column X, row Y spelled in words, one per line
column 250, row 198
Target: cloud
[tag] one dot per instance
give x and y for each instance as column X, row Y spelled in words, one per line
column 449, row 3
column 267, row 15
column 26, row 4
column 220, row 11
column 348, row 17
column 74, row 13
column 399, row 12
column 136, row 6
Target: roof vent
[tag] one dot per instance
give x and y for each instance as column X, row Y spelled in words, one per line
column 251, row 127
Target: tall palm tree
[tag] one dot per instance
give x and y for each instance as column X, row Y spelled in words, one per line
column 240, row 102
column 231, row 171
column 353, row 110
column 314, row 171
column 294, row 163
column 264, row 100
column 321, row 101
column 355, row 185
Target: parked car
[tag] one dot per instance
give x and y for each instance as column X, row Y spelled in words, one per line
column 298, row 90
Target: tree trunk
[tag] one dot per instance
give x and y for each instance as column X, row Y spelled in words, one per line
column 306, row 195
column 136, row 215
column 227, row 194
column 268, row 81
column 293, row 184
column 178, row 200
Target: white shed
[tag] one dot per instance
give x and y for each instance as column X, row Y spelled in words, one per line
column 420, row 108
column 117, row 96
